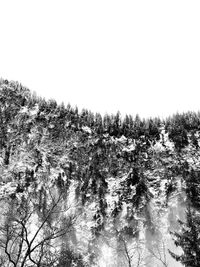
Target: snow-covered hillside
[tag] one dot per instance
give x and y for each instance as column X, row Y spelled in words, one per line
column 77, row 189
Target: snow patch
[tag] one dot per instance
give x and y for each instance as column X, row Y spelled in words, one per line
column 86, row 129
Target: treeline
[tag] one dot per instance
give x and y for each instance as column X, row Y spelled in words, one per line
column 49, row 112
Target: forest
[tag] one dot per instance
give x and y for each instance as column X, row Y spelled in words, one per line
column 85, row 190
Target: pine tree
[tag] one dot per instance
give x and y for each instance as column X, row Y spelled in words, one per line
column 189, row 240
column 193, row 188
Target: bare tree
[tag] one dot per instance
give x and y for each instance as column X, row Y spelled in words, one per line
column 159, row 252
column 128, row 246
column 31, row 240
column 132, row 250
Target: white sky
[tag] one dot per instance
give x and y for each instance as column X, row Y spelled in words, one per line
column 133, row 56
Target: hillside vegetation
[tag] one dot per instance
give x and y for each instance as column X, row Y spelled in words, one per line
column 79, row 189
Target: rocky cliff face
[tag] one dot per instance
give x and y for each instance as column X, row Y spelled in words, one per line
column 81, row 190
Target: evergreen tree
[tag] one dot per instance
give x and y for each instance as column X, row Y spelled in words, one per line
column 189, row 240
column 193, row 188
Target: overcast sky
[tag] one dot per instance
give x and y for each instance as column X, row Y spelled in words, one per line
column 133, row 56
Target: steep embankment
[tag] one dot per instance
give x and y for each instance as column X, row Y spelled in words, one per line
column 95, row 191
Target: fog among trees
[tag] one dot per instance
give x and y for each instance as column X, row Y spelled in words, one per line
column 82, row 189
